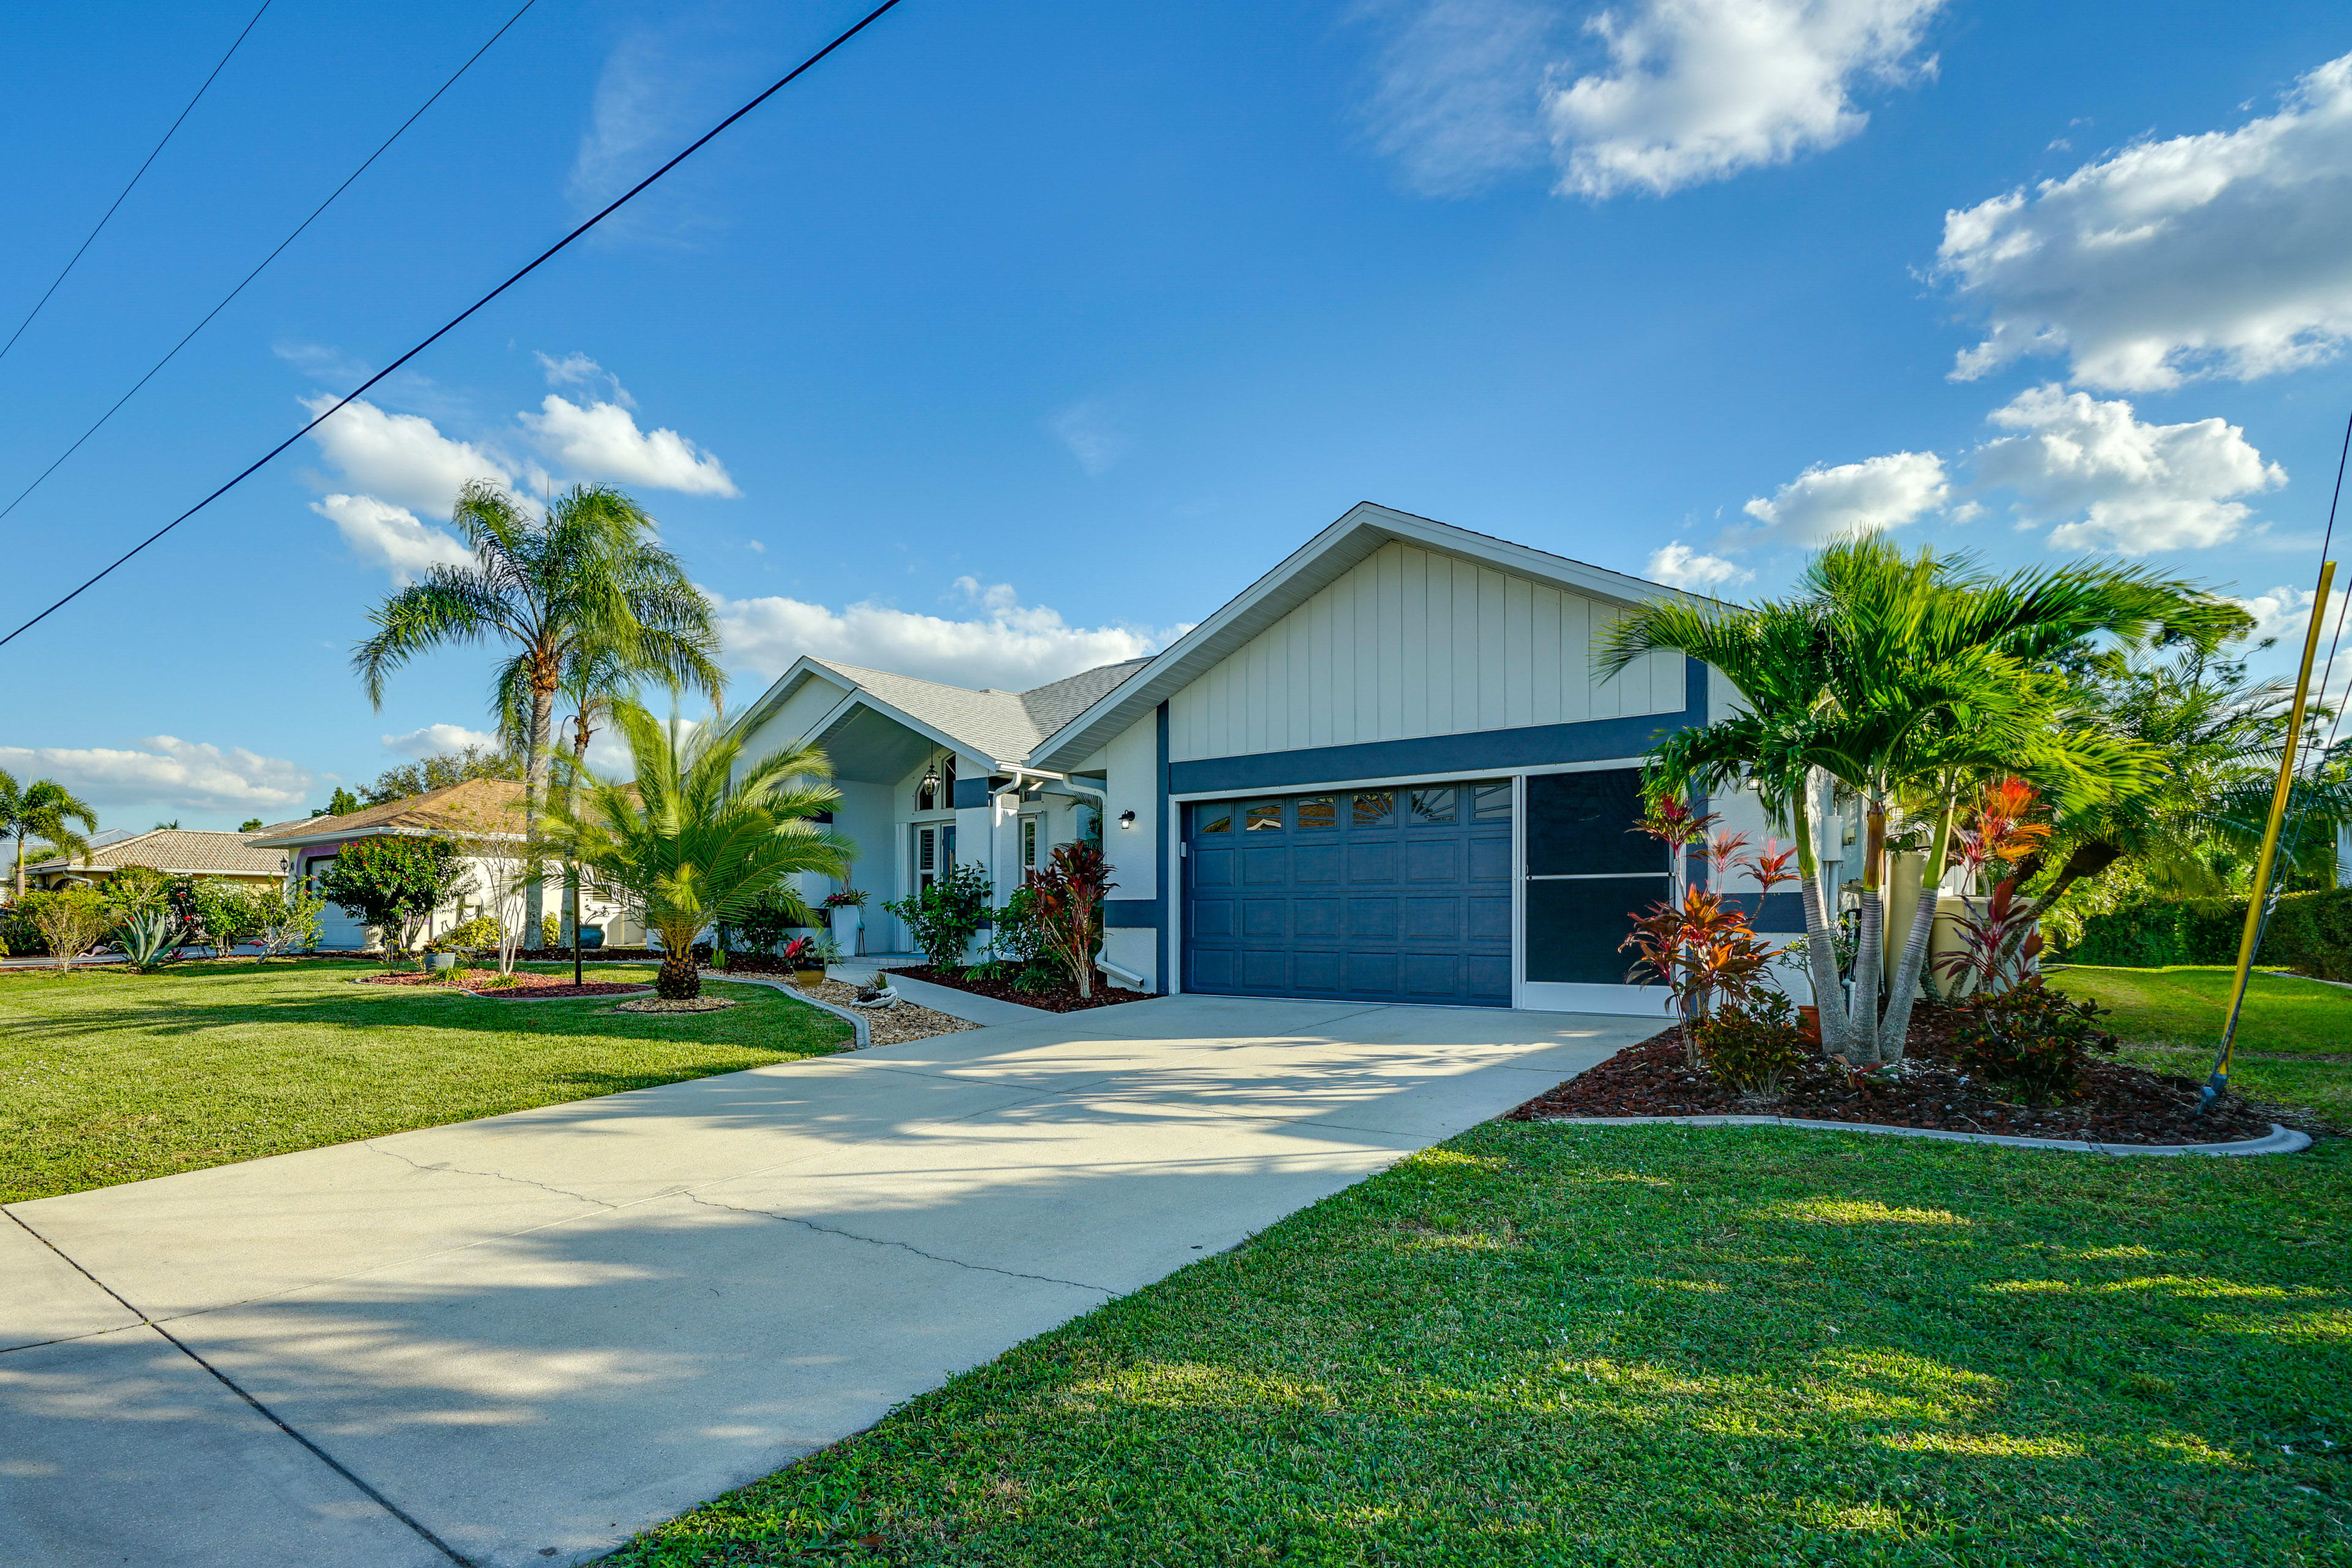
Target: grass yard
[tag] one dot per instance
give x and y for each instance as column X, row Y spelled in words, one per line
column 2294, row 1038
column 110, row 1077
column 1539, row 1344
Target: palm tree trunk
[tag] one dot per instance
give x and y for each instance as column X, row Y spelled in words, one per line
column 20, row 865
column 678, row 980
column 1870, row 948
column 1915, row 947
column 534, row 798
column 572, row 873
column 1820, row 940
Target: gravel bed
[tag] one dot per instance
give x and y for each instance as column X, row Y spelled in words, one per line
column 891, row 1026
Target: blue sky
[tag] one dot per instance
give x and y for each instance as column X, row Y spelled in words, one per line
column 1017, row 336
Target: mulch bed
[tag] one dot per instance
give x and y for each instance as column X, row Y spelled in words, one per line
column 2121, row 1105
column 541, row 987
column 1061, row 999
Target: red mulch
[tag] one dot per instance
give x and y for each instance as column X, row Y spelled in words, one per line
column 526, row 984
column 1061, row 999
column 2120, row 1105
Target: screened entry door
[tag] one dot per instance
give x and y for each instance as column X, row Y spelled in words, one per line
column 1398, row 895
column 1589, row 874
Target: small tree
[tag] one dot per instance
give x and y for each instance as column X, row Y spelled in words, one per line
column 289, row 921
column 227, row 911
column 70, row 920
column 394, row 883
column 945, row 917
column 1070, row 891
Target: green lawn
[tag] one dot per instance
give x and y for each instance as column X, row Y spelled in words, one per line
column 110, row 1077
column 1538, row 1345
column 2294, row 1037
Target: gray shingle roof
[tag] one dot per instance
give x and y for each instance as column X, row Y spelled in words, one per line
column 1003, row 726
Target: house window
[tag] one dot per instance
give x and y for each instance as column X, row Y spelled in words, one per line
column 934, row 852
column 1261, row 816
column 1491, row 802
column 1212, row 818
column 1434, row 805
column 1374, row 808
column 1320, row 811
column 1029, row 843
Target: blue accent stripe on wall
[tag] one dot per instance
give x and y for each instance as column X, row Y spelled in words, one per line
column 1123, row 914
column 1479, row 751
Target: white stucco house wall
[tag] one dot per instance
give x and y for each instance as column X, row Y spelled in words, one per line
column 1387, row 771
column 486, row 812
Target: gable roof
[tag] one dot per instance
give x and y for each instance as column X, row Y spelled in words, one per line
column 1002, row 726
column 180, row 851
column 1316, row 564
column 470, row 806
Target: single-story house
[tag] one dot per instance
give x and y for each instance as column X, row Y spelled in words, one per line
column 486, row 814
column 1387, row 771
column 174, row 851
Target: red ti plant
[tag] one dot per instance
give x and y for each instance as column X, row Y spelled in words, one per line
column 1705, row 952
column 1674, row 823
column 1770, row 865
column 1723, row 853
column 1992, row 944
column 1070, row 888
column 1996, row 834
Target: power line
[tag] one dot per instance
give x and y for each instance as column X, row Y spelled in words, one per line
column 452, row 324
column 69, row 266
column 264, row 261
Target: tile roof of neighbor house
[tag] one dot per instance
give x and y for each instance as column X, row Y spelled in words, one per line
column 178, row 851
column 1004, row 726
column 471, row 806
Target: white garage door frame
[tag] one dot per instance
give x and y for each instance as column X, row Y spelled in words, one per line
column 1551, row 996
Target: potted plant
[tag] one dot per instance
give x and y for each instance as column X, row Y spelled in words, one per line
column 847, row 899
column 807, row 963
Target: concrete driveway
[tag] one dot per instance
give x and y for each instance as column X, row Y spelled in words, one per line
column 519, row 1340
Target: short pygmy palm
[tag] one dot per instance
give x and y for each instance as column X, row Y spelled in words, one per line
column 698, row 834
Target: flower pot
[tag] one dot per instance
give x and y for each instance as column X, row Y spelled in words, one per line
column 1810, row 1023
column 806, row 977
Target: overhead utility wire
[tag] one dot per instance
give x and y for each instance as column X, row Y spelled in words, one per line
column 454, row 321
column 69, row 266
column 264, row 261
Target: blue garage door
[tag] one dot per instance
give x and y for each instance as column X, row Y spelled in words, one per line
column 1395, row 895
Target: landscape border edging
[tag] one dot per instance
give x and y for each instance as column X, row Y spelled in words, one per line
column 2280, row 1140
column 857, row 1021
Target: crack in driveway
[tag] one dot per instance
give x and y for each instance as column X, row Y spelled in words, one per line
column 376, row 1147
column 903, row 1246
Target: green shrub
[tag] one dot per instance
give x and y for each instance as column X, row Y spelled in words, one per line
column 551, row 932
column 945, row 917
column 472, row 936
column 2032, row 1041
column 1754, row 1045
column 19, row 937
column 2308, row 932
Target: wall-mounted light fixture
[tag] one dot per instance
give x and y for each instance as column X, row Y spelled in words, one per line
column 1127, row 819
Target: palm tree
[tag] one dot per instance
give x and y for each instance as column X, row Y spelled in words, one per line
column 1902, row 681
column 43, row 809
column 586, row 579
column 698, row 834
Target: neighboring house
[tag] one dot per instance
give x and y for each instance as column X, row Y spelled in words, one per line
column 174, row 851
column 1386, row 771
column 485, row 813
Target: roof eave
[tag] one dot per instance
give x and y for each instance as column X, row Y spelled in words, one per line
column 1363, row 529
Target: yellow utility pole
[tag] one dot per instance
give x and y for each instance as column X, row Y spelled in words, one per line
column 2219, row 1083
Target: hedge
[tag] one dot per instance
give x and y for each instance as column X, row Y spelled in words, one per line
column 2311, row 933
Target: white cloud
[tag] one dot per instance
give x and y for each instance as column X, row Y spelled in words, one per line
column 1086, row 429
column 1822, row 504
column 1459, row 90
column 167, row 771
column 578, row 370
column 2227, row 254
column 438, row 740
column 601, row 441
column 1008, row 645
column 1700, row 90
column 2111, row 481
column 2285, row 613
column 1678, row 564
column 401, row 456
column 391, row 536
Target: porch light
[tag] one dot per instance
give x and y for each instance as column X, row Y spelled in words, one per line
column 1127, row 819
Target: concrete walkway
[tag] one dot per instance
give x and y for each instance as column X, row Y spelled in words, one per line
column 520, row 1340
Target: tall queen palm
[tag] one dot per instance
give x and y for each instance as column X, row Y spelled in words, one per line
column 587, row 584
column 697, row 834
